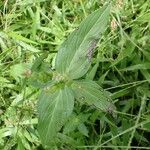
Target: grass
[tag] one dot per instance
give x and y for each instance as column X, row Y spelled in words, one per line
column 30, row 34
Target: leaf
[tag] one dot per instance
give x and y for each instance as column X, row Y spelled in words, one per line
column 74, row 55
column 20, row 145
column 6, row 131
column 121, row 93
column 91, row 93
column 126, row 52
column 143, row 18
column 20, row 70
column 71, row 124
column 146, row 74
column 147, row 125
column 27, row 46
column 92, row 72
column 54, row 107
column 36, row 22
column 38, row 62
column 67, row 140
column 29, row 2
column 45, row 29
column 137, row 67
column 23, row 140
column 74, row 122
column 18, row 37
column 102, row 78
column 83, row 129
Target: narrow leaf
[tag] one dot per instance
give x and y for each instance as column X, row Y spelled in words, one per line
column 54, row 106
column 92, row 72
column 74, row 55
column 137, row 67
column 18, row 37
column 27, row 46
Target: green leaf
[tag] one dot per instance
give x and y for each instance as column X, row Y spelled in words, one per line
column 54, row 107
column 74, row 55
column 126, row 52
column 92, row 72
column 21, row 70
column 38, row 62
column 74, row 122
column 137, row 67
column 20, row 145
column 83, row 129
column 91, row 93
column 27, row 46
column 18, row 37
column 71, row 124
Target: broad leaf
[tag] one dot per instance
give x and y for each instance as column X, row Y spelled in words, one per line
column 54, row 106
column 91, row 93
column 74, row 56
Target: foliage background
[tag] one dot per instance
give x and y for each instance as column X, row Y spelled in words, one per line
column 30, row 34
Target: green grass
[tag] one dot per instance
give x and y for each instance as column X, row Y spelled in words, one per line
column 31, row 32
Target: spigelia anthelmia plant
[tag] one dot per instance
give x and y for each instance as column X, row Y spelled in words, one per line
column 73, row 60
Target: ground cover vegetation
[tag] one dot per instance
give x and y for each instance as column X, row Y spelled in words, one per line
column 91, row 91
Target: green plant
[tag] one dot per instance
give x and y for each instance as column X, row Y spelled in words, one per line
column 30, row 33
column 73, row 60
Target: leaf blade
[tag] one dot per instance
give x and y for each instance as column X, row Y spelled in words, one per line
column 53, row 108
column 91, row 93
column 75, row 53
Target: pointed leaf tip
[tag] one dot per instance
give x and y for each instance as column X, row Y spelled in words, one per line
column 92, row 94
column 74, row 55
